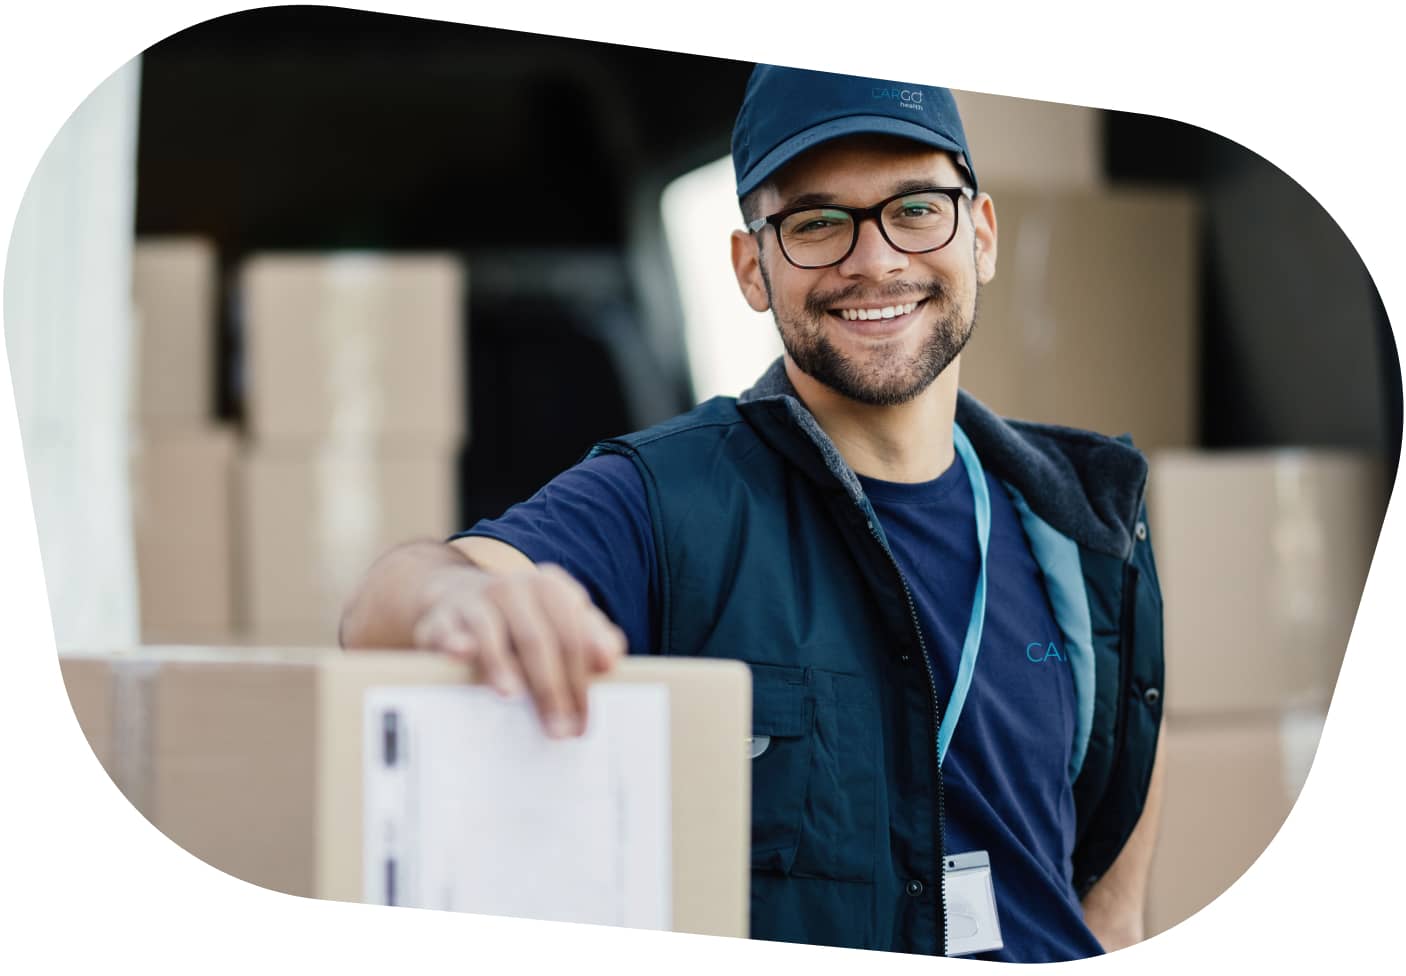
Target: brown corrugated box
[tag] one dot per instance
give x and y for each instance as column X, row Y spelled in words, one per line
column 1091, row 319
column 354, row 345
column 1262, row 558
column 1020, row 143
column 174, row 294
column 1229, row 785
column 182, row 512
column 315, row 517
column 251, row 760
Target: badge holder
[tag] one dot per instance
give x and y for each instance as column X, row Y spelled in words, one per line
column 972, row 925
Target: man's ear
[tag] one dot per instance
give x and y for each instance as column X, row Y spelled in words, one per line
column 983, row 212
column 746, row 264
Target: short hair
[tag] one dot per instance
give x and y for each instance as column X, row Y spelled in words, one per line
column 751, row 205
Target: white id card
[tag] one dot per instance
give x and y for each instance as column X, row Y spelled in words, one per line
column 972, row 925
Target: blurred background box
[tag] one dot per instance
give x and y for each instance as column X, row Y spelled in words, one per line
column 1262, row 556
column 315, row 516
column 1024, row 144
column 1091, row 320
column 88, row 682
column 175, row 288
column 1230, row 783
column 182, row 502
column 354, row 344
column 252, row 760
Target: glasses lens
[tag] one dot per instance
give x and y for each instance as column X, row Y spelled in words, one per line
column 815, row 238
column 921, row 222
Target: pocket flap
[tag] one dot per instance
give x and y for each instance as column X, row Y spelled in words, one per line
column 778, row 707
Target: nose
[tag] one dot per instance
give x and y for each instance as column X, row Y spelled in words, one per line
column 873, row 257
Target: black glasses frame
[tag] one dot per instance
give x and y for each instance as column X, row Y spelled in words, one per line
column 861, row 214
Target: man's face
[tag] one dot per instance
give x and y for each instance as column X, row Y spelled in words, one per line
column 883, row 361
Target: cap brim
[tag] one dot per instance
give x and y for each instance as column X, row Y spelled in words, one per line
column 834, row 129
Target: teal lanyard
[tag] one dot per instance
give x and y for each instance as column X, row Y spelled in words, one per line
column 972, row 645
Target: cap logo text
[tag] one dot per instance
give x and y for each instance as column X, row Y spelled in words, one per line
column 906, row 97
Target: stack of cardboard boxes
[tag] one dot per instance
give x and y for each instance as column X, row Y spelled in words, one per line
column 356, row 408
column 1091, row 319
column 182, row 459
column 1262, row 556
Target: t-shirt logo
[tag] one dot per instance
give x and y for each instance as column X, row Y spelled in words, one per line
column 1038, row 652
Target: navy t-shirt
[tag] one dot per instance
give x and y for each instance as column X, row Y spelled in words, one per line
column 1006, row 770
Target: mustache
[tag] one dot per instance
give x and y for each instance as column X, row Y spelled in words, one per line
column 819, row 303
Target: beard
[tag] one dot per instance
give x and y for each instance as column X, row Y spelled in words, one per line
column 890, row 376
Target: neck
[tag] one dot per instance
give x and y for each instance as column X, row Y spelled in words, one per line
column 910, row 442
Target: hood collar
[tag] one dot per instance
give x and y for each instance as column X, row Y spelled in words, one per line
column 1085, row 485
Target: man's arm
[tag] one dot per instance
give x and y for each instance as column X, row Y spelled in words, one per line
column 524, row 626
column 1114, row 907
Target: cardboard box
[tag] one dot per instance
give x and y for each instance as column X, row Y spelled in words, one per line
column 353, row 346
column 252, row 761
column 182, row 514
column 175, row 287
column 88, row 682
column 1091, row 319
column 1229, row 785
column 1262, row 557
column 1023, row 144
column 313, row 520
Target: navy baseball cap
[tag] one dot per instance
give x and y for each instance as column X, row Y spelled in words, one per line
column 789, row 110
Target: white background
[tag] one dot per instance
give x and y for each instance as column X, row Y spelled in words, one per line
column 89, row 884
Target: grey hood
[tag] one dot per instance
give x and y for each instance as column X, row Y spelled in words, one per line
column 1087, row 486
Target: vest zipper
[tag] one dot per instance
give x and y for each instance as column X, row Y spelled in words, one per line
column 936, row 724
column 1126, row 635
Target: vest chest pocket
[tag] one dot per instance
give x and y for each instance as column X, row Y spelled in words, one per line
column 814, row 747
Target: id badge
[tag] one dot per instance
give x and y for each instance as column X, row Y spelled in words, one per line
column 972, row 925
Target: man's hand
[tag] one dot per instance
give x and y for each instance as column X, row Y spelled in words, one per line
column 524, row 627
column 533, row 629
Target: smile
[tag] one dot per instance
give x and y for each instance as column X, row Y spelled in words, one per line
column 870, row 313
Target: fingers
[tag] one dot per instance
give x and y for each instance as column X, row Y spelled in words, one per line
column 607, row 644
column 599, row 641
column 568, row 608
column 442, row 630
column 538, row 649
column 477, row 635
column 495, row 660
column 536, row 630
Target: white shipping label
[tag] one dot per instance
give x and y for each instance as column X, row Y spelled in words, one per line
column 469, row 806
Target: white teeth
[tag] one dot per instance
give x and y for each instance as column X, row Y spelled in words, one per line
column 888, row 312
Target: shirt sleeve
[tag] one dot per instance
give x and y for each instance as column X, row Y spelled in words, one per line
column 593, row 521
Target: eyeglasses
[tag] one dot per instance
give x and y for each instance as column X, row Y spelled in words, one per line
column 915, row 222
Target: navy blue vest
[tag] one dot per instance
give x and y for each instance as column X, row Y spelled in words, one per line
column 770, row 553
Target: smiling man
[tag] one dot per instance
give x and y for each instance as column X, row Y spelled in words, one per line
column 881, row 550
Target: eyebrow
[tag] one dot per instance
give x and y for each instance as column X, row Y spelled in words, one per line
column 819, row 199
